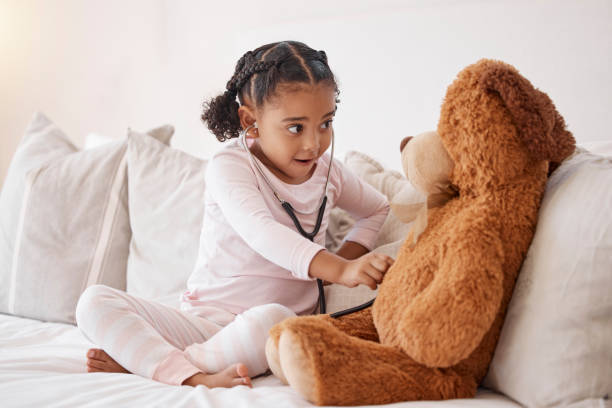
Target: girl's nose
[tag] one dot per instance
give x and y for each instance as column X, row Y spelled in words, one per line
column 312, row 142
column 404, row 142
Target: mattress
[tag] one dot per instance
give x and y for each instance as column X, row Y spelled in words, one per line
column 43, row 364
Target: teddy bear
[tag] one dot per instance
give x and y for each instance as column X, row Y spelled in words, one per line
column 432, row 330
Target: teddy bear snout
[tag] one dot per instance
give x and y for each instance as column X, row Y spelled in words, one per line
column 404, row 142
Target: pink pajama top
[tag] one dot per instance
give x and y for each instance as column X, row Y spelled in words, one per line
column 251, row 252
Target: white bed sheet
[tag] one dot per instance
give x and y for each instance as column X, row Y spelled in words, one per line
column 42, row 364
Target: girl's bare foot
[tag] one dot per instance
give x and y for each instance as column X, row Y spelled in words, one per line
column 99, row 361
column 236, row 374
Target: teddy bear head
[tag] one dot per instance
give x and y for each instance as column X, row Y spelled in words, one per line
column 495, row 125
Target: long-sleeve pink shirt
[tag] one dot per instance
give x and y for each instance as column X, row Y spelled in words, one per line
column 250, row 250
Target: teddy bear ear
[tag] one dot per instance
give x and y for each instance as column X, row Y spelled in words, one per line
column 539, row 123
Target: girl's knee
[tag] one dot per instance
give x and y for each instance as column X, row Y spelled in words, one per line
column 90, row 300
column 275, row 312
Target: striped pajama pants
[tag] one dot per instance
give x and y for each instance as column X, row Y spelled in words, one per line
column 169, row 345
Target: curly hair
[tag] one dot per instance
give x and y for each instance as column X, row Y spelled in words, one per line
column 257, row 75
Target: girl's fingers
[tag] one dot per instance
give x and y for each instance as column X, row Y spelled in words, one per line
column 382, row 263
column 387, row 259
column 379, row 264
column 351, row 283
column 374, row 273
column 367, row 280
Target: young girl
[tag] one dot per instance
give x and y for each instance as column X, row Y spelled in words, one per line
column 254, row 268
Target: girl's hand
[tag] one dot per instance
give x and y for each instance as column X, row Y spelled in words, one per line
column 368, row 270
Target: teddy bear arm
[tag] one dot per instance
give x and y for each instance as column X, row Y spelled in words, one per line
column 453, row 314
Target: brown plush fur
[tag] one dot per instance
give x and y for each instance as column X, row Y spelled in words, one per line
column 433, row 328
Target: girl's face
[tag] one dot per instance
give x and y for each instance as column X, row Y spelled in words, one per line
column 294, row 130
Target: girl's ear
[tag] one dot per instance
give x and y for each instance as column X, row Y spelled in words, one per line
column 247, row 117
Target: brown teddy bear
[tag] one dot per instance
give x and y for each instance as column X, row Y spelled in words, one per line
column 432, row 330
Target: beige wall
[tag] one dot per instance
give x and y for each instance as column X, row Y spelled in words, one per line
column 96, row 66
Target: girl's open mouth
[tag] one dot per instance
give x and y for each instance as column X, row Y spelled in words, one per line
column 304, row 161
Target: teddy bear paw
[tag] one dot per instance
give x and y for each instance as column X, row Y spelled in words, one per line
column 295, row 364
column 274, row 360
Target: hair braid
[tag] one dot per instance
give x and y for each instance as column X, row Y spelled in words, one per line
column 245, row 75
column 323, row 56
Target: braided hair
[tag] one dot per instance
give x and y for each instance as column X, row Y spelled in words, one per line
column 257, row 75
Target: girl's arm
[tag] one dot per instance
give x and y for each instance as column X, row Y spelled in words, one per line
column 351, row 250
column 366, row 270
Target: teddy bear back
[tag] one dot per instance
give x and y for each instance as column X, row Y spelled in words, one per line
column 497, row 126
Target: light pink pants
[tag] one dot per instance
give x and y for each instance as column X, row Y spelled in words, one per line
column 169, row 345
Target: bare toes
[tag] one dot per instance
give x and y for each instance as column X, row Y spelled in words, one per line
column 242, row 381
column 99, row 364
column 99, row 360
column 96, row 354
column 93, row 366
column 114, row 367
column 242, row 370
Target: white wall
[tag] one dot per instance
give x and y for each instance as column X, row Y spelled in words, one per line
column 103, row 66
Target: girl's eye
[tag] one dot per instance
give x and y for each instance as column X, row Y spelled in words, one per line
column 295, row 129
column 327, row 124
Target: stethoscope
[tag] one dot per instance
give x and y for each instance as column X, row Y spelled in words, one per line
column 291, row 212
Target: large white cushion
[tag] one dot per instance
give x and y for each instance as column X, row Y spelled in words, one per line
column 555, row 347
column 600, row 147
column 166, row 198
column 63, row 222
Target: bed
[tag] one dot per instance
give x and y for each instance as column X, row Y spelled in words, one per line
column 554, row 348
column 43, row 364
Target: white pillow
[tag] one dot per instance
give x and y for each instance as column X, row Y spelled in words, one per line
column 63, row 222
column 339, row 224
column 555, row 347
column 166, row 199
column 96, row 140
column 391, row 235
column 600, row 147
